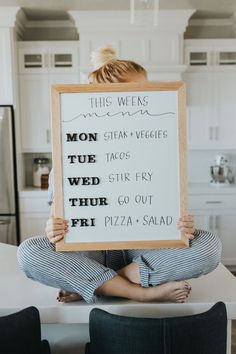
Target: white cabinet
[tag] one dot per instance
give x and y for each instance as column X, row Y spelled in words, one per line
column 40, row 67
column 46, row 58
column 225, row 225
column 34, row 213
column 211, row 87
column 213, row 54
column 201, row 219
column 225, row 85
column 35, row 116
column 199, row 112
column 35, row 109
column 211, row 109
column 217, row 213
column 197, row 56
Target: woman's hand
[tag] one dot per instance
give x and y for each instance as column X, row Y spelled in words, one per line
column 56, row 229
column 186, row 225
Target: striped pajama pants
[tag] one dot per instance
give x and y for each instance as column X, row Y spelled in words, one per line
column 83, row 272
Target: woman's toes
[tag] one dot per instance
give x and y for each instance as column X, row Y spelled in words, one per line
column 181, row 301
column 65, row 296
column 181, row 298
column 187, row 285
column 181, row 295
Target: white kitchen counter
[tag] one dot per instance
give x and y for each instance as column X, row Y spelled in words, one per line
column 19, row 292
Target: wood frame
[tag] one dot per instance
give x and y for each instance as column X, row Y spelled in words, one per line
column 56, row 91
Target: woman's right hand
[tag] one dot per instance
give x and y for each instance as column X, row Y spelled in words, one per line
column 56, row 229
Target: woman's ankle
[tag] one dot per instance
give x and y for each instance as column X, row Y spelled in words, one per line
column 131, row 273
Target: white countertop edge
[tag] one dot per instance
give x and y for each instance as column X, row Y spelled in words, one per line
column 207, row 188
column 193, row 188
column 78, row 313
column 33, row 192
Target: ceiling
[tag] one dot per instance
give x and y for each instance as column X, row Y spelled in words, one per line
column 56, row 9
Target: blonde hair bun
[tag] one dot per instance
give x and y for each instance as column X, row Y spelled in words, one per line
column 103, row 55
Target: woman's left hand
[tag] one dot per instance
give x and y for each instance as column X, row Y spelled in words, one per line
column 186, row 225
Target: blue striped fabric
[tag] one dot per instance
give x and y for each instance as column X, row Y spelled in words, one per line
column 84, row 272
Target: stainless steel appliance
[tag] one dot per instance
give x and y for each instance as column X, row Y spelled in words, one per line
column 9, row 211
column 221, row 172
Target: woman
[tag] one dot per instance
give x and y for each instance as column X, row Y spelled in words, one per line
column 141, row 275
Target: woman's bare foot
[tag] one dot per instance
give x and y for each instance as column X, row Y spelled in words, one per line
column 66, row 296
column 175, row 291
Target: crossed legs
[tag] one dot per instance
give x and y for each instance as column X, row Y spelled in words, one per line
column 126, row 284
column 155, row 275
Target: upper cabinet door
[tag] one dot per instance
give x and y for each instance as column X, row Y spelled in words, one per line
column 35, row 113
column 63, row 60
column 226, row 57
column 196, row 58
column 35, row 97
column 211, row 110
column 48, row 60
column 42, row 64
column 200, row 110
column 33, row 60
column 225, row 102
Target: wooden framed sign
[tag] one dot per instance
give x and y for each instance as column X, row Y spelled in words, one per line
column 119, row 164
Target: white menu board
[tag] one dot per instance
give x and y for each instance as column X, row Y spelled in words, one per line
column 119, row 164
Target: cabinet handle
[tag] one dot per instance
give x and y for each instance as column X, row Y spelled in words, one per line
column 52, row 60
column 217, row 222
column 210, row 222
column 48, row 136
column 213, row 202
column 216, row 133
column 46, row 60
column 211, row 133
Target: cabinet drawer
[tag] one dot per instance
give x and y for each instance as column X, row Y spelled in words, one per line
column 212, row 202
column 34, row 205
